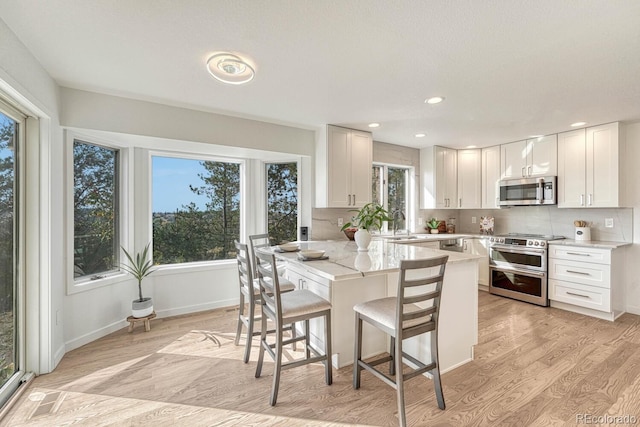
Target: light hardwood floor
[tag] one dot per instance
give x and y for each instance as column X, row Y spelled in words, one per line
column 533, row 366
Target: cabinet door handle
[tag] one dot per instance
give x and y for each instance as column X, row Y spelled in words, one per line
column 578, row 272
column 582, row 200
column 460, row 203
column 523, row 173
column 577, row 253
column 530, row 169
column 578, row 295
column 590, row 197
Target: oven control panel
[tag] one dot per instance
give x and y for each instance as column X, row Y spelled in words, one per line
column 531, row 243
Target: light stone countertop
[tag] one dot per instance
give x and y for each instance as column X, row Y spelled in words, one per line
column 602, row 244
column 345, row 262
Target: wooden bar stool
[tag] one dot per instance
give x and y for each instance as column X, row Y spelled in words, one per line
column 300, row 305
column 414, row 311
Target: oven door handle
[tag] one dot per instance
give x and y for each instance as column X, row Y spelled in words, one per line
column 519, row 271
column 517, row 251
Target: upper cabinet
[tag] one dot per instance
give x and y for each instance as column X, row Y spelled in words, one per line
column 347, row 159
column 529, row 158
column 589, row 163
column 469, row 182
column 438, row 178
column 491, row 177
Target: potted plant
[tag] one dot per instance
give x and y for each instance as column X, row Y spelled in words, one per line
column 369, row 217
column 140, row 267
column 433, row 225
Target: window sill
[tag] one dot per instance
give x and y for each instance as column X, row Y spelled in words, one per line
column 87, row 284
column 194, row 267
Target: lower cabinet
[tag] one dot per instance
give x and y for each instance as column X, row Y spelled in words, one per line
column 478, row 246
column 587, row 280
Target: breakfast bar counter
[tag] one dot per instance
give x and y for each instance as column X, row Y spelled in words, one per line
column 348, row 277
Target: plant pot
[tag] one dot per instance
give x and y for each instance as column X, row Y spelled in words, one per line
column 141, row 308
column 362, row 238
column 434, row 231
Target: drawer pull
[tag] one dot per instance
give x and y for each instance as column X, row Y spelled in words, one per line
column 578, row 295
column 577, row 253
column 578, row 272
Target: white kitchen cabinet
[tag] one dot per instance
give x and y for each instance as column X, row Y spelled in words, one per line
column 479, row 247
column 344, row 168
column 438, row 178
column 587, row 280
column 590, row 166
column 469, row 179
column 490, row 187
column 530, row 158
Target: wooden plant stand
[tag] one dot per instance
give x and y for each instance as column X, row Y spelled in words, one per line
column 147, row 321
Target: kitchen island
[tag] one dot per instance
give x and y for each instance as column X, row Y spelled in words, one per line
column 349, row 277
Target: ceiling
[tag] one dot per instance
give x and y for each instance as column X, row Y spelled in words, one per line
column 508, row 69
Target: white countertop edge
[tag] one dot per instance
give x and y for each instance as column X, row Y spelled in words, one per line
column 590, row 243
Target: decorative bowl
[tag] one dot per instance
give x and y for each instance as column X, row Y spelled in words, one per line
column 312, row 253
column 288, row 247
column 350, row 232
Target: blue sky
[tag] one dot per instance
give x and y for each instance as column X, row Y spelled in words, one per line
column 171, row 179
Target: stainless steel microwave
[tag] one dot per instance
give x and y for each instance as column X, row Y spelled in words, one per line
column 528, row 191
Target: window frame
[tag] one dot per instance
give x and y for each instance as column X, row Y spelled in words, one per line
column 410, row 193
column 196, row 265
column 86, row 283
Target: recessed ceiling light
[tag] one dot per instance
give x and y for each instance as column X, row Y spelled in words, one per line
column 420, row 135
column 576, row 124
column 471, row 146
column 374, row 125
column 434, row 100
column 229, row 68
column 536, row 136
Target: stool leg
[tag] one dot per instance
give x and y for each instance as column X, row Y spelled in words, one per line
column 147, row 325
column 240, row 314
column 327, row 349
column 263, row 342
column 130, row 326
column 437, row 383
column 392, row 352
column 277, row 366
column 307, row 334
column 358, row 353
column 250, row 324
column 402, row 418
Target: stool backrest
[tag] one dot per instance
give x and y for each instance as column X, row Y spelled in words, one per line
column 257, row 241
column 267, row 274
column 245, row 269
column 415, row 286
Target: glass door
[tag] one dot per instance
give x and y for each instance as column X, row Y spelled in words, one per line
column 10, row 333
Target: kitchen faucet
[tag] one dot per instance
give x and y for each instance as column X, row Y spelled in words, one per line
column 395, row 221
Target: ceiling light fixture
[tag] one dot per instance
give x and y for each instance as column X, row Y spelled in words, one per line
column 229, row 68
column 471, row 146
column 434, row 100
column 420, row 135
column 536, row 136
column 576, row 124
column 374, row 125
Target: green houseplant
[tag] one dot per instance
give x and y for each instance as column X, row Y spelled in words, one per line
column 139, row 267
column 433, row 224
column 369, row 217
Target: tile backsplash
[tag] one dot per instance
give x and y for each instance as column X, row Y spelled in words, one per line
column 525, row 219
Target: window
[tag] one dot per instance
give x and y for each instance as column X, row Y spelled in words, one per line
column 95, row 209
column 390, row 188
column 195, row 209
column 282, row 201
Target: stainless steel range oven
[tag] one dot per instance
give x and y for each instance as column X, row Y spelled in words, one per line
column 518, row 267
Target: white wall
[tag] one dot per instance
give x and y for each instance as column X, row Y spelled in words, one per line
column 631, row 131
column 24, row 79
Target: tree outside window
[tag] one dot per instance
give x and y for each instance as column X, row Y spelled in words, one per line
column 196, row 209
column 282, row 201
column 95, row 182
column 390, row 187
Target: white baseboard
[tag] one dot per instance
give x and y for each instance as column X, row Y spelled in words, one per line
column 633, row 309
column 57, row 356
column 177, row 311
column 94, row 335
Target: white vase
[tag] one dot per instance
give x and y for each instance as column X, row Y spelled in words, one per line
column 141, row 308
column 363, row 238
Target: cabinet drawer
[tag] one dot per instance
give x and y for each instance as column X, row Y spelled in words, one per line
column 580, row 272
column 580, row 295
column 575, row 253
